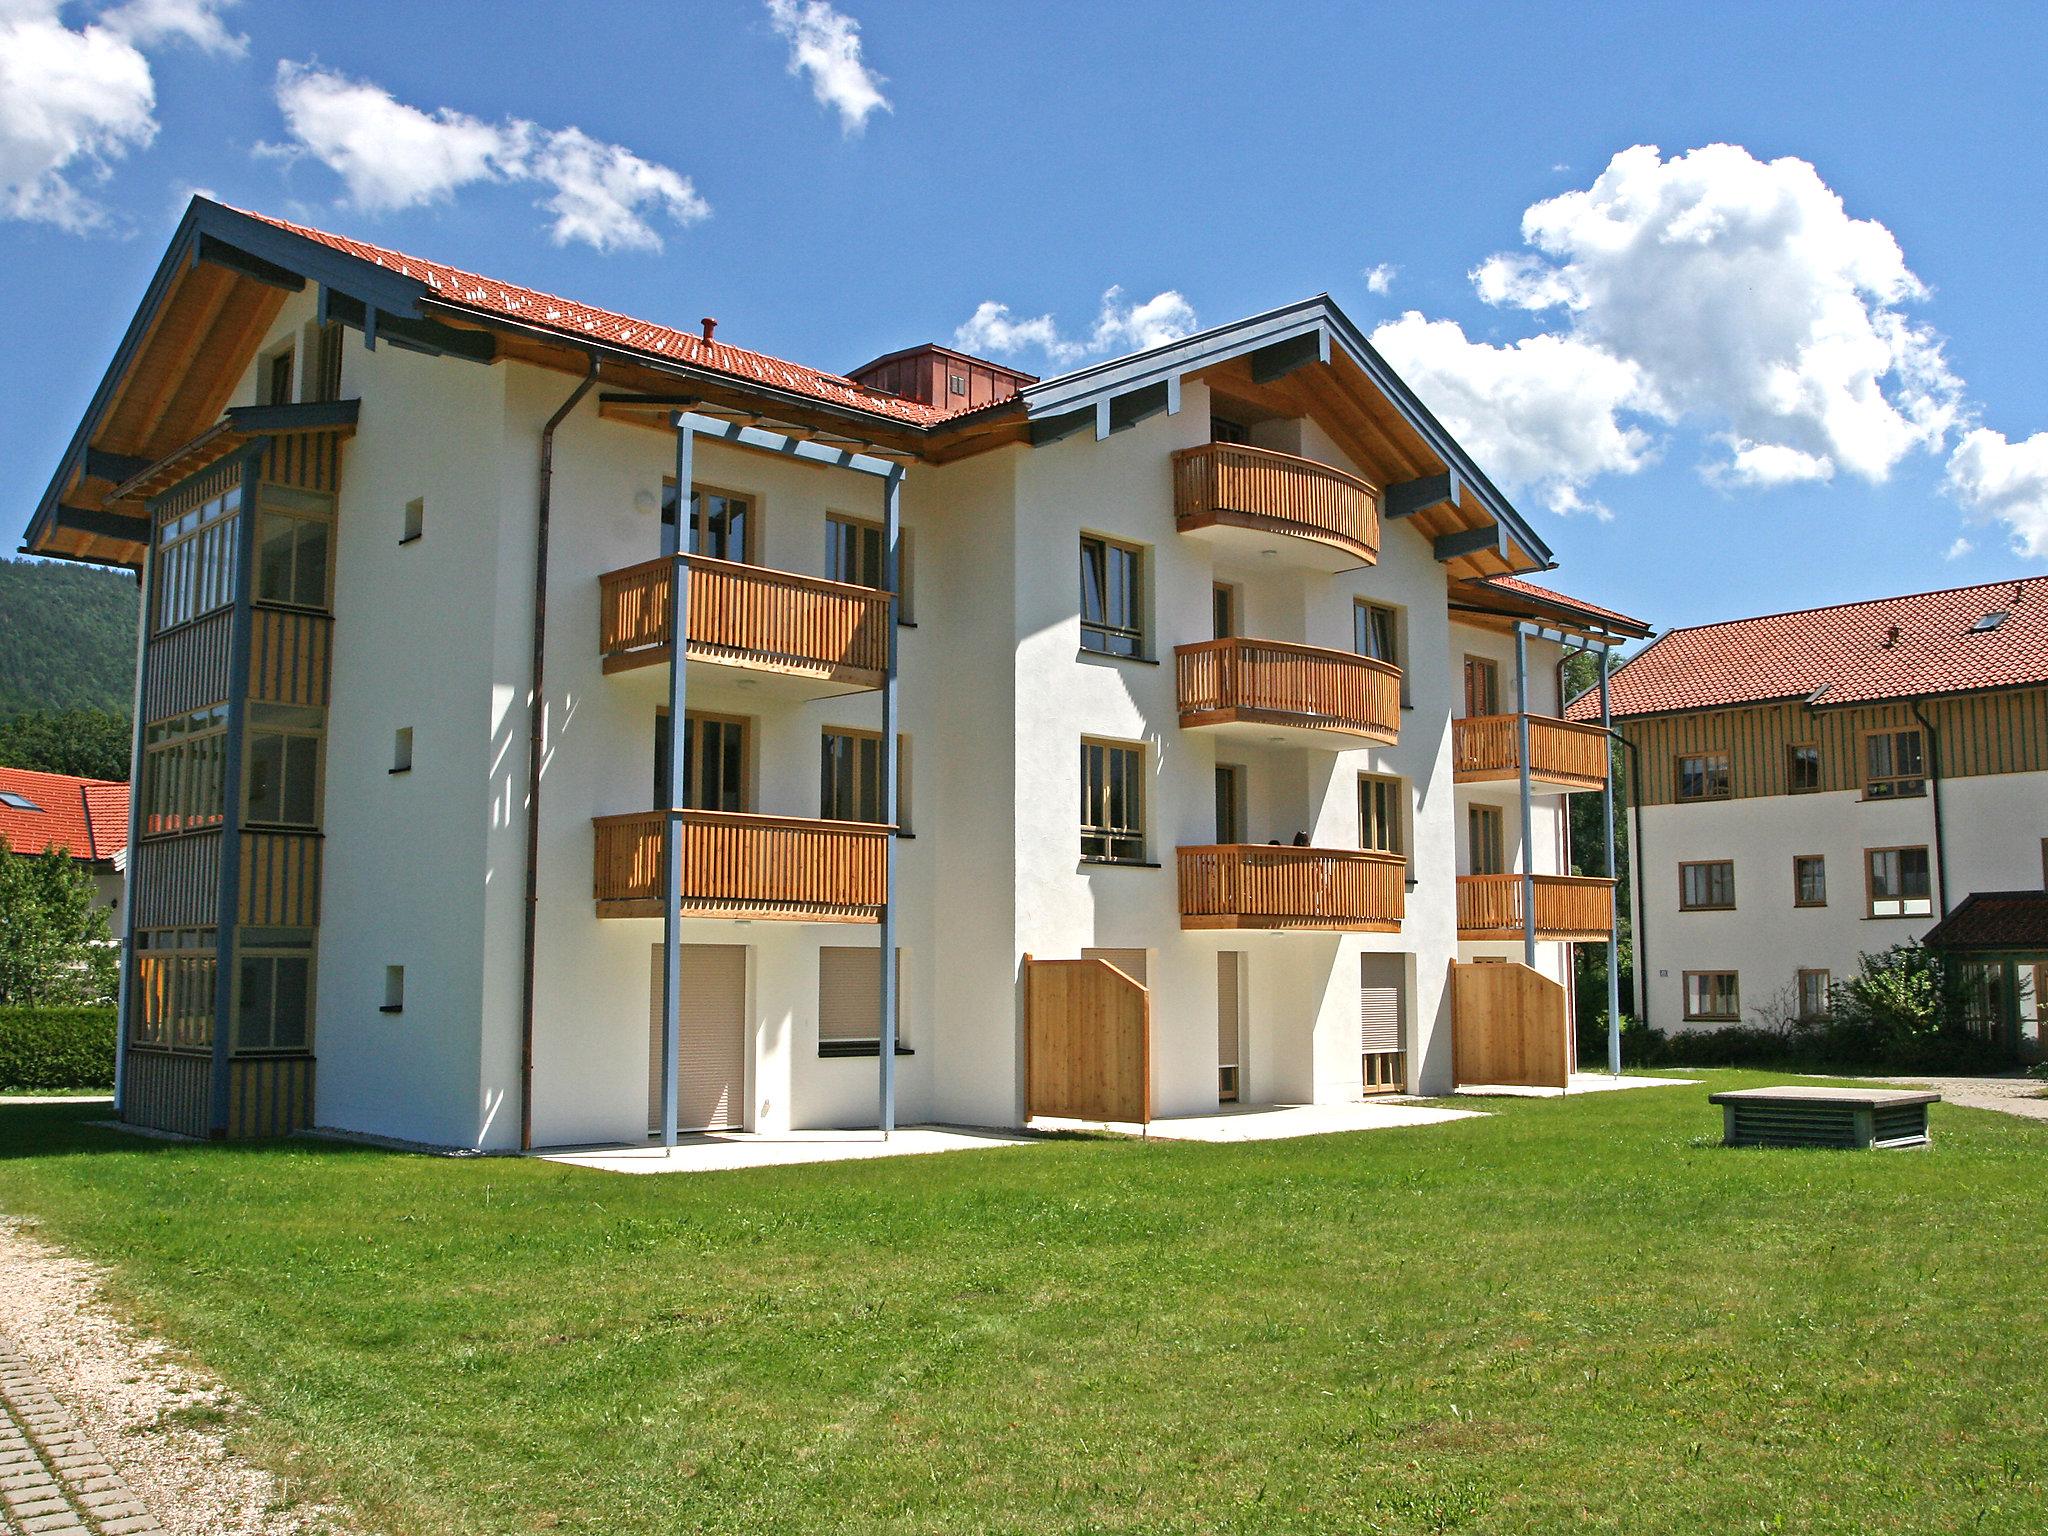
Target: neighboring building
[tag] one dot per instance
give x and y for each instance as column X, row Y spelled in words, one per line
column 87, row 818
column 1821, row 785
column 1227, row 596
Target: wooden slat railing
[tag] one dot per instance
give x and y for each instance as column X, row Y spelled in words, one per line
column 1281, row 492
column 1246, row 885
column 1275, row 681
column 742, row 865
column 749, row 615
column 1567, row 907
column 1560, row 751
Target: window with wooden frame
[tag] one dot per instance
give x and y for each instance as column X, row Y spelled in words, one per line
column 1809, row 880
column 274, row 384
column 321, row 347
column 1707, row 886
column 1482, row 687
column 1894, row 764
column 195, row 559
column 850, row 1001
column 294, row 535
column 1813, row 994
column 1223, row 430
column 715, row 766
column 1222, row 610
column 1713, row 996
column 1703, row 776
column 856, row 554
column 1382, row 813
column 1376, row 631
column 1802, row 768
column 721, row 522
column 850, row 777
column 1898, row 882
column 1230, row 822
column 175, row 977
column 274, row 990
column 284, row 765
column 184, row 766
column 1112, row 597
column 1485, row 840
column 1112, row 802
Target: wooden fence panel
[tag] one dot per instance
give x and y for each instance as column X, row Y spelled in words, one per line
column 1508, row 1026
column 1087, row 1041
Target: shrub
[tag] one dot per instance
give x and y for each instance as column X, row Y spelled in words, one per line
column 43, row 1049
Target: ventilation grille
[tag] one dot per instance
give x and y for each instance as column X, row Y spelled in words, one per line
column 1792, row 1125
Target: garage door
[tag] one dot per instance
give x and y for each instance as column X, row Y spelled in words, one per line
column 712, row 1078
column 1382, row 1009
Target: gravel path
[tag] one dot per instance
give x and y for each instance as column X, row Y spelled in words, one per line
column 121, row 1423
column 2020, row 1096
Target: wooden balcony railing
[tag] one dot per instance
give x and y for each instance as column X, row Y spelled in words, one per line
column 747, row 615
column 1241, row 885
column 1276, row 683
column 742, row 865
column 1561, row 752
column 1246, row 487
column 1578, row 908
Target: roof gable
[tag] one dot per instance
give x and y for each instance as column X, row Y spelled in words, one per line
column 88, row 818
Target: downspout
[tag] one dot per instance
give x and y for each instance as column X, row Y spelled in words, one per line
column 1613, row 898
column 536, row 716
column 1934, row 776
column 1528, row 815
column 1641, row 935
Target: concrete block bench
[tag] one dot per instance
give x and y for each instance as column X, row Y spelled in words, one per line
column 1824, row 1117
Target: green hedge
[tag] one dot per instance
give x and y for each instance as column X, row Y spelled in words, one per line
column 43, row 1049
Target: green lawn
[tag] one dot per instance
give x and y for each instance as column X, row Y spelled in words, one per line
column 1572, row 1315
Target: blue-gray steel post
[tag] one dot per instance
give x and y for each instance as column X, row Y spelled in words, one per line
column 1528, row 834
column 676, row 545
column 892, row 535
column 1613, row 890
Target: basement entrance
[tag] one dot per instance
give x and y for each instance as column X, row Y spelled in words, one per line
column 1087, row 1041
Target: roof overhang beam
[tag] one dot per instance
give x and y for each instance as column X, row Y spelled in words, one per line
column 1491, row 539
column 1411, row 498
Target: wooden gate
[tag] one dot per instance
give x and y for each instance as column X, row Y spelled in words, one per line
column 1508, row 1026
column 1087, row 1041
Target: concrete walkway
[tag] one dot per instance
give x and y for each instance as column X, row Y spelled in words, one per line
column 2021, row 1096
column 1581, row 1082
column 53, row 1479
column 1272, row 1122
column 718, row 1151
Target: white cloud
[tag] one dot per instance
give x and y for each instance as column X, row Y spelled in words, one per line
column 1380, row 278
column 1764, row 466
column 1960, row 548
column 992, row 331
column 392, row 156
column 74, row 100
column 2005, row 482
column 825, row 44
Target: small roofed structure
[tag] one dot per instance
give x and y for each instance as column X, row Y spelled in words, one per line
column 2001, row 940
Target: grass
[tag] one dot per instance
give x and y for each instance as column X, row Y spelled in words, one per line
column 1573, row 1315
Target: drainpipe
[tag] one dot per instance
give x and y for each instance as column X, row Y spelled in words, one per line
column 536, row 714
column 1934, row 776
column 1635, row 878
column 1528, row 819
column 1613, row 890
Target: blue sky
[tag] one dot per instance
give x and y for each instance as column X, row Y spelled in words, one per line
column 1758, row 383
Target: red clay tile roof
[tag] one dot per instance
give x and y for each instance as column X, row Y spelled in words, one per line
column 1851, row 653
column 1546, row 595
column 86, row 817
column 1994, row 920
column 488, row 295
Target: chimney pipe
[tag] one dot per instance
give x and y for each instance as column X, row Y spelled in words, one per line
column 1892, row 639
column 710, row 325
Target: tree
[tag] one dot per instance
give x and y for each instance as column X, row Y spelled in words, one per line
column 92, row 743
column 55, row 947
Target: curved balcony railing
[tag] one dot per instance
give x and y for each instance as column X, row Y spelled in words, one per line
column 1250, row 885
column 1575, row 908
column 737, row 864
column 1274, row 682
column 1561, row 752
column 1237, row 485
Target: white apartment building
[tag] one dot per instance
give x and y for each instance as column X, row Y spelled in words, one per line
column 1201, row 663
column 1821, row 785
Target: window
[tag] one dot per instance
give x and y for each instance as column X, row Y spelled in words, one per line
column 1813, row 994
column 1482, row 687
column 1809, row 880
column 714, row 762
column 16, row 802
column 1703, row 776
column 292, row 533
column 1894, row 764
column 284, row 766
column 322, row 344
column 1712, row 995
column 415, row 522
column 276, row 385
column 1485, row 843
column 401, row 750
column 854, row 551
column 850, row 777
column 175, row 973
column 721, row 523
column 850, row 1001
column 394, row 989
column 1706, row 886
column 184, row 760
column 1230, row 826
column 195, row 559
column 1112, row 802
column 1988, row 622
column 1223, row 610
column 1376, row 632
column 1380, row 814
column 1802, row 769
column 274, row 990
column 1225, row 431
column 1898, row 882
column 1112, row 597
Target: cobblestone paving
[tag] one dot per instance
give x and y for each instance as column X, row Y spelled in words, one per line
column 53, row 1480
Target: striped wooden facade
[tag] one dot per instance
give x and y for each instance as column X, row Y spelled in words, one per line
column 168, row 1090
column 177, row 881
column 269, row 1095
column 188, row 667
column 280, row 880
column 290, row 657
column 200, row 488
column 1976, row 734
column 305, row 461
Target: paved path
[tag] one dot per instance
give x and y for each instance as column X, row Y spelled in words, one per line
column 2008, row 1095
column 53, row 1479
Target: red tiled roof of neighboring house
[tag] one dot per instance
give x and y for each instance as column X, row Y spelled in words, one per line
column 1994, row 920
column 545, row 311
column 1559, row 599
column 86, row 817
column 1851, row 653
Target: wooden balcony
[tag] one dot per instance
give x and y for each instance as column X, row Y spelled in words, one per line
column 1251, row 885
column 1255, row 501
column 739, row 865
column 1574, row 908
column 816, row 637
column 1271, row 686
column 1562, row 753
